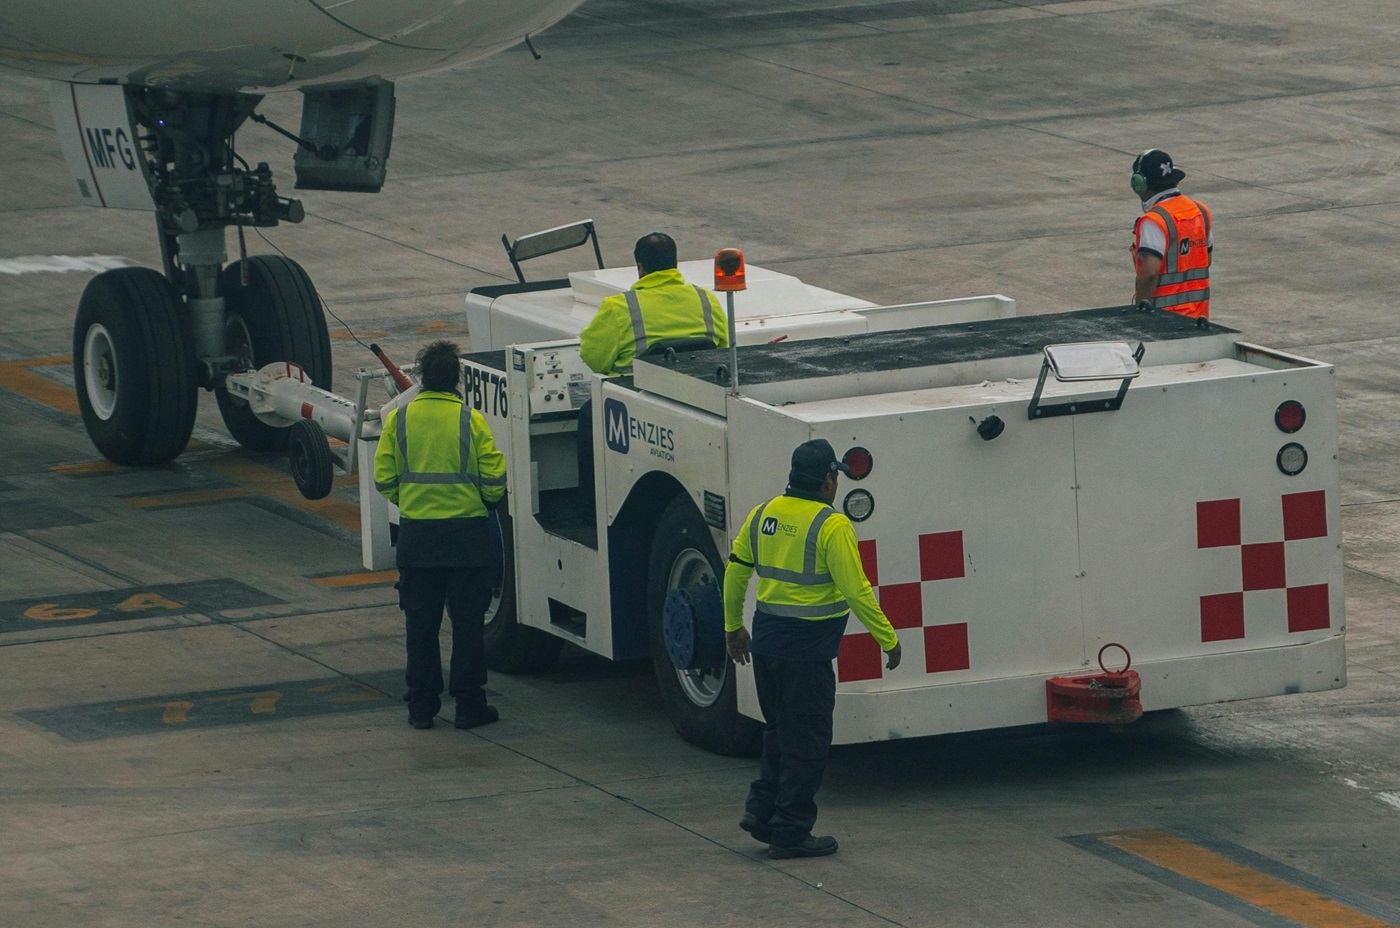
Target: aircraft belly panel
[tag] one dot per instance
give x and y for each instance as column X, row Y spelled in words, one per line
column 260, row 44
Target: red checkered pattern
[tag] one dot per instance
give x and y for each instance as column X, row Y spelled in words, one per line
column 1263, row 566
column 945, row 646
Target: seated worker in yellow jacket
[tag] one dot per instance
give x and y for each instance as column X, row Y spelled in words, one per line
column 660, row 307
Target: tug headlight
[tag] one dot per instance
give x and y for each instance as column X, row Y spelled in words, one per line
column 858, row 505
column 1292, row 458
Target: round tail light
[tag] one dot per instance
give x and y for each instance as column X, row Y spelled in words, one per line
column 860, row 461
column 1290, row 416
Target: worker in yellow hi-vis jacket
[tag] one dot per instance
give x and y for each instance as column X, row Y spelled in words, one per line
column 437, row 461
column 810, row 579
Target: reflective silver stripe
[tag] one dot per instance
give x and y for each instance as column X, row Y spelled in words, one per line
column 639, row 327
column 1181, row 277
column 808, row 576
column 819, row 611
column 709, row 313
column 1176, row 299
column 753, row 534
column 463, row 475
column 387, row 485
column 1173, row 239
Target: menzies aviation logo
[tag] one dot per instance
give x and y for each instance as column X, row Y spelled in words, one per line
column 619, row 428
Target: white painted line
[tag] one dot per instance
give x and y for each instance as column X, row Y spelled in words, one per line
column 30, row 264
column 1390, row 799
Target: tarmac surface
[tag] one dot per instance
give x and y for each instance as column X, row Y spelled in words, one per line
column 199, row 715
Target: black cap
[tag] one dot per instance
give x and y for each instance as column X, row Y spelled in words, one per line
column 813, row 460
column 1157, row 169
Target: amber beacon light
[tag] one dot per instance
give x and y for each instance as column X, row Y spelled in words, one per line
column 729, row 270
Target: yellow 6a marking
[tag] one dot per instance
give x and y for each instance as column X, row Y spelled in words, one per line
column 137, row 602
column 53, row 612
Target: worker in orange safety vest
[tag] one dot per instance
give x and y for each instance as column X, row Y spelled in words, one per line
column 1172, row 240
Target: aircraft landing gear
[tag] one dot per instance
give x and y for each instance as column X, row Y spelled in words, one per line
column 134, row 367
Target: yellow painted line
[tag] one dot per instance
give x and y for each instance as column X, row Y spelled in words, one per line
column 85, row 467
column 160, row 500
column 1259, row 889
column 275, row 484
column 342, row 335
column 19, row 377
column 253, row 479
column 346, row 581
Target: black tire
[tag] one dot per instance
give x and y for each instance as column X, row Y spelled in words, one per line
column 134, row 366
column 510, row 646
column 277, row 317
column 309, row 453
column 702, row 704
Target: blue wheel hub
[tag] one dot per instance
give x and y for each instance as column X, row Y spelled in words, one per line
column 692, row 623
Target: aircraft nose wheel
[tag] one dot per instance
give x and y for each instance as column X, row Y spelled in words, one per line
column 134, row 367
column 277, row 316
column 100, row 371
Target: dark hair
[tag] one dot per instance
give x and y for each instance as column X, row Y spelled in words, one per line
column 439, row 367
column 655, row 252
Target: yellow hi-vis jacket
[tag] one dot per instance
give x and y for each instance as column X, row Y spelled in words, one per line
column 437, row 459
column 659, row 306
column 808, row 566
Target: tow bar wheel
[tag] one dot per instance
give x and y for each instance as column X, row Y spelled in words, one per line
column 313, row 468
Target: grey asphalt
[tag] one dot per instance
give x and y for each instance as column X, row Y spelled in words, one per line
column 199, row 727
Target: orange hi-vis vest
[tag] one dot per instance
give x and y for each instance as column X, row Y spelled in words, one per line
column 1183, row 284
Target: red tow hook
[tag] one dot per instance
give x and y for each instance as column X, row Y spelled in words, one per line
column 1110, row 698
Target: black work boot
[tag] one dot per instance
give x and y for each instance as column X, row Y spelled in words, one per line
column 760, row 831
column 808, row 847
column 476, row 716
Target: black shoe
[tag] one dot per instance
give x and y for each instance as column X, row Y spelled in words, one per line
column 483, row 716
column 421, row 723
column 810, row 847
column 753, row 826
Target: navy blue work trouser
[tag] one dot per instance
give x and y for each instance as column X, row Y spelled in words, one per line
column 466, row 592
column 797, row 699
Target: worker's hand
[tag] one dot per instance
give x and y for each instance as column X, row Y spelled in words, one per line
column 737, row 643
column 893, row 656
